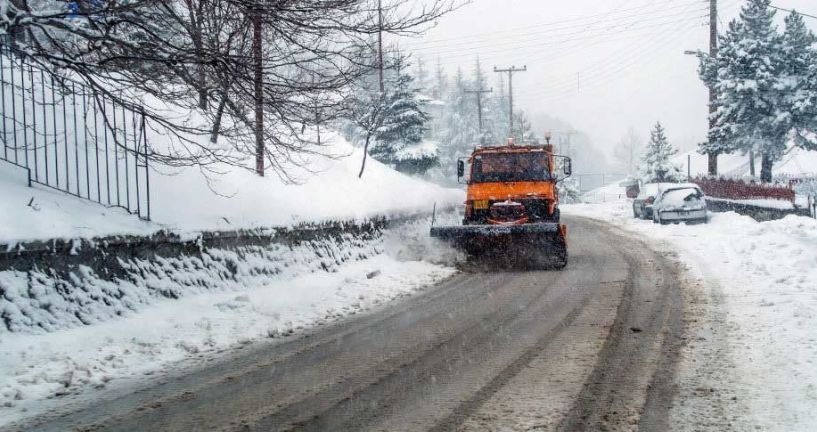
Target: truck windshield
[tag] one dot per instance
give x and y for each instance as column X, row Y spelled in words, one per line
column 507, row 167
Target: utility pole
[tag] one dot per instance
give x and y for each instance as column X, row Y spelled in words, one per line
column 380, row 44
column 479, row 93
column 713, row 53
column 510, row 72
column 259, row 91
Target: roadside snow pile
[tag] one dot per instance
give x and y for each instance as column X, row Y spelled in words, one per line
column 760, row 279
column 331, row 190
column 796, row 162
column 42, row 372
column 765, row 203
column 188, row 200
column 51, row 299
column 41, row 213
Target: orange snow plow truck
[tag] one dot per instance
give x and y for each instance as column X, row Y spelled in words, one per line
column 512, row 205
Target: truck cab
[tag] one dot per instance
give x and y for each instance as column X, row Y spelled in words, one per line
column 512, row 184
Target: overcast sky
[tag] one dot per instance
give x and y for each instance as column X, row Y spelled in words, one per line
column 603, row 66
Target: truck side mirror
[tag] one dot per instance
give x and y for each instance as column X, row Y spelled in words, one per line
column 568, row 167
column 460, row 168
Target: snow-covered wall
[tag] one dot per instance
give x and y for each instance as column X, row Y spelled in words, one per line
column 54, row 285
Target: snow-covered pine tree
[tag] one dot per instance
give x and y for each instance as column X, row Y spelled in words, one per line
column 748, row 67
column 656, row 165
column 797, row 113
column 422, row 82
column 569, row 192
column 460, row 126
column 399, row 137
column 439, row 88
column 522, row 129
column 501, row 111
column 486, row 135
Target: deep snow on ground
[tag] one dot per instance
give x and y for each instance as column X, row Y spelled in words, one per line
column 795, row 163
column 39, row 372
column 41, row 213
column 190, row 200
column 759, row 283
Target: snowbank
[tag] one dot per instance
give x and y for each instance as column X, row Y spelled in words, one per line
column 41, row 213
column 759, row 278
column 232, row 298
column 765, row 203
column 190, row 200
column 795, row 163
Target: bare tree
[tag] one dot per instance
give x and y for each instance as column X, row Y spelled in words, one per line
column 628, row 151
column 195, row 56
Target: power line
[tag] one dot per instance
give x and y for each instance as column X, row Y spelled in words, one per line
column 550, row 25
column 549, row 39
column 792, row 10
column 597, row 71
column 477, row 42
column 599, row 68
column 610, row 70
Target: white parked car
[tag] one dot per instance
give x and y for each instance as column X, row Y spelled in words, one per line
column 642, row 204
column 684, row 202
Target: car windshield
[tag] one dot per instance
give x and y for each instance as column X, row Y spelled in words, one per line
column 679, row 197
column 510, row 167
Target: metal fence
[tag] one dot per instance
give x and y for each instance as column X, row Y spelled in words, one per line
column 72, row 138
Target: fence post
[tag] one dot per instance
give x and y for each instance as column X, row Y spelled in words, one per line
column 3, row 96
column 147, row 154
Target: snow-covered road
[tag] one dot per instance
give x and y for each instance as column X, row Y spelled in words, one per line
column 751, row 361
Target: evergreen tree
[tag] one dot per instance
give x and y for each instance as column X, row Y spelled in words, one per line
column 656, row 165
column 480, row 82
column 522, row 129
column 501, row 111
column 798, row 83
column 748, row 66
column 460, row 130
column 403, row 122
column 440, row 86
column 422, row 83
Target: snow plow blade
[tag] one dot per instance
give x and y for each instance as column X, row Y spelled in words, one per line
column 535, row 244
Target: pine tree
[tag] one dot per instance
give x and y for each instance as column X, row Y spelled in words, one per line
column 486, row 135
column 656, row 165
column 403, row 122
column 501, row 111
column 798, row 83
column 748, row 66
column 422, row 79
column 522, row 129
column 460, row 128
column 440, row 86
